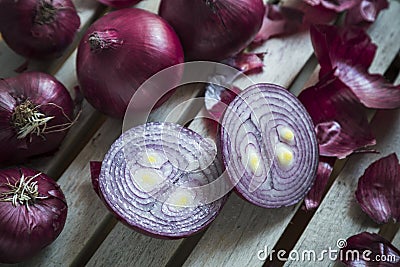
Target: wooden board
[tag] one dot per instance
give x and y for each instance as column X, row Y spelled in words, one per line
column 93, row 236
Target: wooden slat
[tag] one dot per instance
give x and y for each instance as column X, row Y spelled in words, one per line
column 87, row 215
column 339, row 215
column 297, row 52
column 242, row 229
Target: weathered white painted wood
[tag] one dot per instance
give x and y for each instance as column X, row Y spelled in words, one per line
column 339, row 216
column 86, row 213
column 396, row 240
column 234, row 239
column 80, row 132
column 282, row 74
column 9, row 60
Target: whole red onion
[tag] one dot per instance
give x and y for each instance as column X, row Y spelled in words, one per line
column 33, row 211
column 119, row 52
column 119, row 3
column 38, row 28
column 213, row 29
column 36, row 111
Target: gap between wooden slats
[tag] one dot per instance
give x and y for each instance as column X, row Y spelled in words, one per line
column 223, row 244
column 122, row 247
column 339, row 216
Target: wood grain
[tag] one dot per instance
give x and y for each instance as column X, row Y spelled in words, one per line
column 339, row 216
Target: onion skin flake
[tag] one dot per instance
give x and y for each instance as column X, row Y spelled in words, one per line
column 378, row 191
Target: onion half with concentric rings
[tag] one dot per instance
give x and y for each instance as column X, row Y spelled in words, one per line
column 269, row 146
column 152, row 177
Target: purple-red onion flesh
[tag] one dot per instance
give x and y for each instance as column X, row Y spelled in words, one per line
column 151, row 180
column 269, row 146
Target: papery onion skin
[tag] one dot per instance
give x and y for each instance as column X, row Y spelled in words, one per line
column 349, row 53
column 272, row 107
column 314, row 196
column 378, row 190
column 50, row 98
column 341, row 122
column 376, row 245
column 34, row 36
column 117, row 54
column 336, row 5
column 365, row 13
column 119, row 3
column 213, row 30
column 143, row 211
column 24, row 232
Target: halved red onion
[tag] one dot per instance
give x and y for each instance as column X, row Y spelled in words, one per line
column 211, row 29
column 378, row 191
column 33, row 211
column 269, row 146
column 340, row 121
column 369, row 250
column 349, row 51
column 314, row 196
column 365, row 13
column 152, row 179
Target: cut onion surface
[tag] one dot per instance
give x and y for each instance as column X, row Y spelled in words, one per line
column 155, row 179
column 269, row 146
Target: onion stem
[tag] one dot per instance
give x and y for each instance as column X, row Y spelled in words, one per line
column 23, row 192
column 27, row 119
column 45, row 13
column 100, row 40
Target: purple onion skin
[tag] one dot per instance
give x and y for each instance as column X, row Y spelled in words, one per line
column 54, row 100
column 113, row 189
column 213, row 30
column 32, row 35
column 119, row 3
column 281, row 186
column 25, row 232
column 132, row 45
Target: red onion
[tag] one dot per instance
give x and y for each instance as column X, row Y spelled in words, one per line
column 119, row 3
column 35, row 113
column 378, row 190
column 152, row 178
column 373, row 251
column 38, row 28
column 213, row 29
column 119, row 52
column 33, row 211
column 269, row 146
